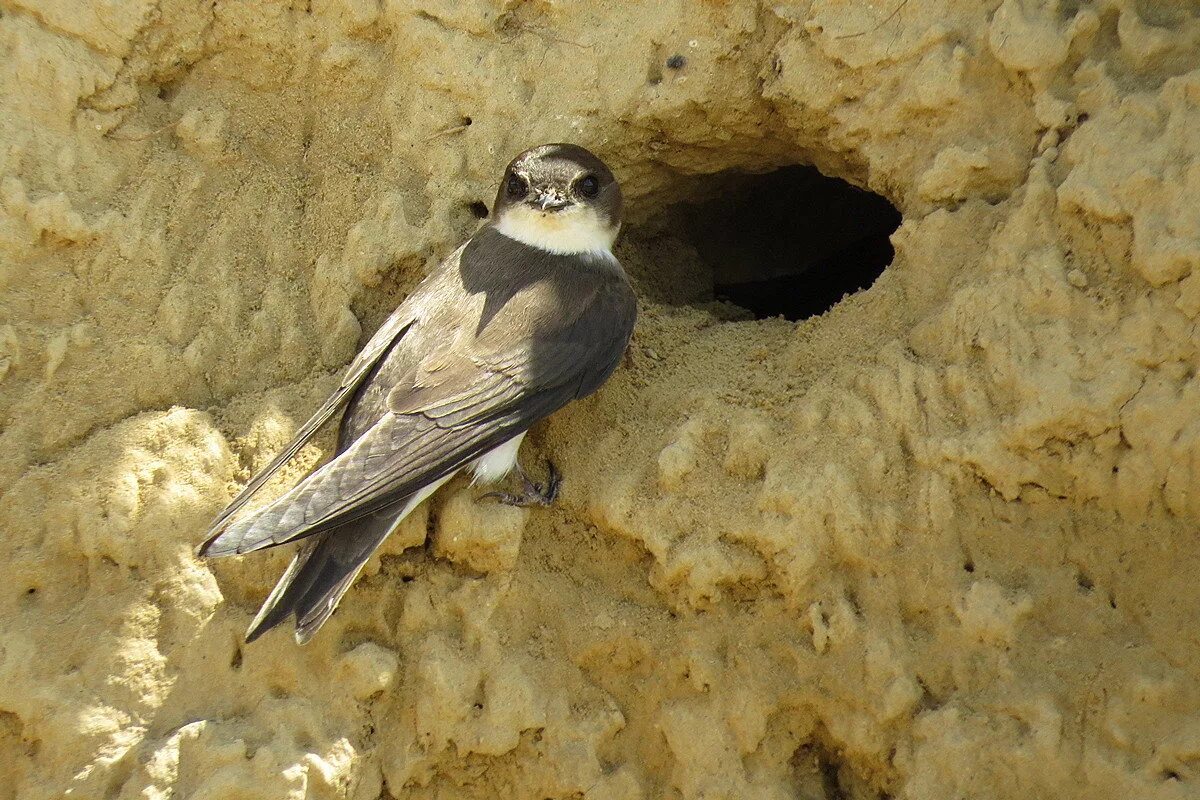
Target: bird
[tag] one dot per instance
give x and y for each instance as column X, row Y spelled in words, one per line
column 531, row 312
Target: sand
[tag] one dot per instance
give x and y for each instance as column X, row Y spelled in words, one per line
column 939, row 542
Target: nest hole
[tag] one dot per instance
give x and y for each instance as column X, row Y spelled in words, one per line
column 789, row 243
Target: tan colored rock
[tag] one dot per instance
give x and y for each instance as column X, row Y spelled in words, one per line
column 937, row 542
column 484, row 536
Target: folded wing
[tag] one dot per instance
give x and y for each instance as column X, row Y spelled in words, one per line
column 458, row 403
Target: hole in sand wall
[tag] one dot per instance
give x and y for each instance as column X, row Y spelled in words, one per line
column 788, row 243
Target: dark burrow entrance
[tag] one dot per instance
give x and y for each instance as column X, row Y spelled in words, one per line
column 788, row 243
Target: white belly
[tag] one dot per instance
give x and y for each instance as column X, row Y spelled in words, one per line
column 498, row 462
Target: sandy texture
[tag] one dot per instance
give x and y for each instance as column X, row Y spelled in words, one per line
column 937, row 543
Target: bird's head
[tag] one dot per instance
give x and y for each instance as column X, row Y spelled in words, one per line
column 560, row 198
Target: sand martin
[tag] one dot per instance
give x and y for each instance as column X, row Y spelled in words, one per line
column 532, row 312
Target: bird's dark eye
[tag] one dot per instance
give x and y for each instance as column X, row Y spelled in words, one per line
column 516, row 188
column 588, row 186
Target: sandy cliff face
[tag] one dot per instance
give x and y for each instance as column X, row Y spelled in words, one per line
column 939, row 542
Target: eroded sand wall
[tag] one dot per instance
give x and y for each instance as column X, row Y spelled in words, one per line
column 940, row 542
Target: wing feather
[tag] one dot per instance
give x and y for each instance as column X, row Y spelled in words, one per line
column 360, row 368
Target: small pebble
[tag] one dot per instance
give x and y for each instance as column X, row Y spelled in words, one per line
column 1077, row 279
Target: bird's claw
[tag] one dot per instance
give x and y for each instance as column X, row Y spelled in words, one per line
column 532, row 494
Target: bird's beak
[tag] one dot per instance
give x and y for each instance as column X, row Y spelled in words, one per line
column 550, row 201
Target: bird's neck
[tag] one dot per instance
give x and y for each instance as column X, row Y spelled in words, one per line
column 573, row 231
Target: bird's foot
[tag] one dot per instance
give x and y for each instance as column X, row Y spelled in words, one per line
column 532, row 494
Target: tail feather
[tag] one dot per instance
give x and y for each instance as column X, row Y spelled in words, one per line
column 279, row 602
column 326, row 565
column 317, row 606
column 322, row 571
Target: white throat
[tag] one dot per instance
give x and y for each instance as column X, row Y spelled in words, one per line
column 571, row 231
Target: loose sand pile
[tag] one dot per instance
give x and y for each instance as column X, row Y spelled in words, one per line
column 940, row 542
